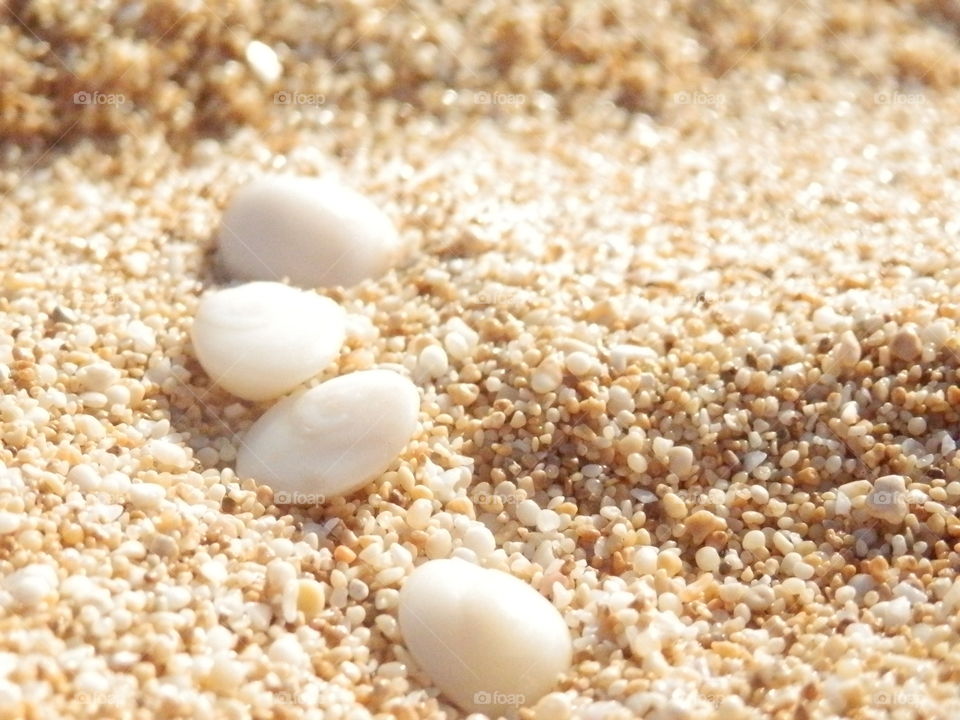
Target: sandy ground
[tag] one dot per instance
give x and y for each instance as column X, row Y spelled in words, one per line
column 727, row 229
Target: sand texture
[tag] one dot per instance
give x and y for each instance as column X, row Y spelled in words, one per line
column 693, row 270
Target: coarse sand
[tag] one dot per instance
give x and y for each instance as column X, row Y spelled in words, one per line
column 681, row 299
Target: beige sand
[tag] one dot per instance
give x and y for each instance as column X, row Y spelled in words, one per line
column 705, row 254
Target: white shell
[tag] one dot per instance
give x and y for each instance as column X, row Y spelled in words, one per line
column 331, row 439
column 314, row 232
column 488, row 640
column 263, row 339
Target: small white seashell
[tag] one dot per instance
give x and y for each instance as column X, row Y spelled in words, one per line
column 488, row 640
column 331, row 439
column 262, row 339
column 315, row 232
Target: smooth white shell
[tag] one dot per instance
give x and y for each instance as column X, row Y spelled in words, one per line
column 331, row 439
column 315, row 232
column 262, row 339
column 488, row 640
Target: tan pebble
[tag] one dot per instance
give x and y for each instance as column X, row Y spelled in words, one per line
column 680, row 460
column 674, row 506
column 344, row 554
column 463, row 506
column 887, row 500
column 9, row 522
column 588, row 534
column 754, row 540
column 670, row 562
column 637, row 462
column 793, row 586
column 790, row 458
column 856, row 488
column 432, row 361
column 311, row 598
column 439, row 544
column 906, row 345
column 759, row 597
column 263, row 61
column 547, row 376
column 418, row 514
column 845, row 354
column 147, row 495
column 702, row 523
column 708, row 559
column 729, row 650
column 464, row 394
column 31, row 585
column 226, row 675
column 98, row 376
column 808, row 476
column 579, row 363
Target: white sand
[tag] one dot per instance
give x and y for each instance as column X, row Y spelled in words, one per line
column 712, row 326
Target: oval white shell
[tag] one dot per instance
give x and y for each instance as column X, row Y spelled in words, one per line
column 331, row 439
column 488, row 640
column 315, row 232
column 261, row 340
